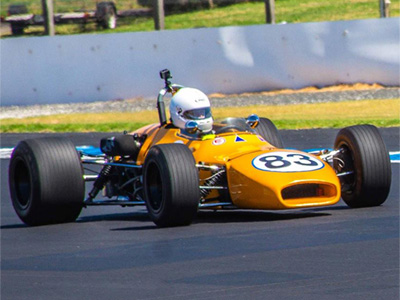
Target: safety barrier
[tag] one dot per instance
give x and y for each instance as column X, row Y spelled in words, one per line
column 84, row 68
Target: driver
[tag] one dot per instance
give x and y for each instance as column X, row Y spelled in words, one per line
column 189, row 104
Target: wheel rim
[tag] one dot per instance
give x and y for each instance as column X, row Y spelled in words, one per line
column 23, row 184
column 348, row 182
column 154, row 187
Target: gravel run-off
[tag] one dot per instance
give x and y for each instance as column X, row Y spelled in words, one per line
column 269, row 98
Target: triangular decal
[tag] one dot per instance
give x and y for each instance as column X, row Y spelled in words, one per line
column 239, row 139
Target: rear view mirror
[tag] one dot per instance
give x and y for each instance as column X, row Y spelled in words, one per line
column 253, row 121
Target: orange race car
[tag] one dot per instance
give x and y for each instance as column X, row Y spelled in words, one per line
column 191, row 162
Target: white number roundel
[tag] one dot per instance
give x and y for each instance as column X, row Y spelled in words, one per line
column 287, row 162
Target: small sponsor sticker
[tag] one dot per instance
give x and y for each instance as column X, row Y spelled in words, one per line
column 218, row 141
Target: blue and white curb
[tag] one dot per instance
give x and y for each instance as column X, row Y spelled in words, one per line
column 5, row 153
column 395, row 157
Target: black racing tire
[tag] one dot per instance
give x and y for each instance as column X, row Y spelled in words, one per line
column 171, row 185
column 364, row 153
column 267, row 129
column 46, row 181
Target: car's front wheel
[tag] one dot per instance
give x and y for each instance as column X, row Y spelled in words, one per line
column 364, row 157
column 171, row 185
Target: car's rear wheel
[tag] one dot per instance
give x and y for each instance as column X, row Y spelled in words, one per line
column 267, row 129
column 171, row 185
column 364, row 155
column 46, row 181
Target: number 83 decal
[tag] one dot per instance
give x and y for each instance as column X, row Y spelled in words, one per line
column 287, row 162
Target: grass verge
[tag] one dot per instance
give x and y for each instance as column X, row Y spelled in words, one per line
column 381, row 113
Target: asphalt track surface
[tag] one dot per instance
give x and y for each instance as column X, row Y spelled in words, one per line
column 116, row 253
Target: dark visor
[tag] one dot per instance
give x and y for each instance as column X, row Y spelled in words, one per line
column 197, row 114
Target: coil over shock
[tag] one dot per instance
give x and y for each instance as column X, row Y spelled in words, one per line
column 214, row 180
column 100, row 182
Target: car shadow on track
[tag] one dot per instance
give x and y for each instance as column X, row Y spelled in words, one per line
column 129, row 216
column 253, row 216
column 224, row 217
column 203, row 217
column 141, row 216
column 13, row 226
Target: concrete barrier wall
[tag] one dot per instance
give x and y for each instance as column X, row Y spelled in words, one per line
column 82, row 68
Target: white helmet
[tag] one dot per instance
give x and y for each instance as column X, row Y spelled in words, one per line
column 190, row 104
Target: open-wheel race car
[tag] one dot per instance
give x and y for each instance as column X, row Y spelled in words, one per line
column 191, row 162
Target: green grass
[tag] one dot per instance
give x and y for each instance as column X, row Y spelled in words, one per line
column 123, row 126
column 381, row 113
column 76, row 127
column 290, row 11
column 251, row 13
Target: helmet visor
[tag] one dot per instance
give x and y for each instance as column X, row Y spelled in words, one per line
column 197, row 114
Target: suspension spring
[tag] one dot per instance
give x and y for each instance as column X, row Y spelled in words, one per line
column 212, row 181
column 100, row 181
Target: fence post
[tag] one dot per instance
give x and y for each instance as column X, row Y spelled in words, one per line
column 384, row 8
column 48, row 16
column 159, row 14
column 270, row 11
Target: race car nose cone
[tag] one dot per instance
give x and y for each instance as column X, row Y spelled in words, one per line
column 280, row 179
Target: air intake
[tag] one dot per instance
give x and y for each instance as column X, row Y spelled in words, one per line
column 309, row 190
